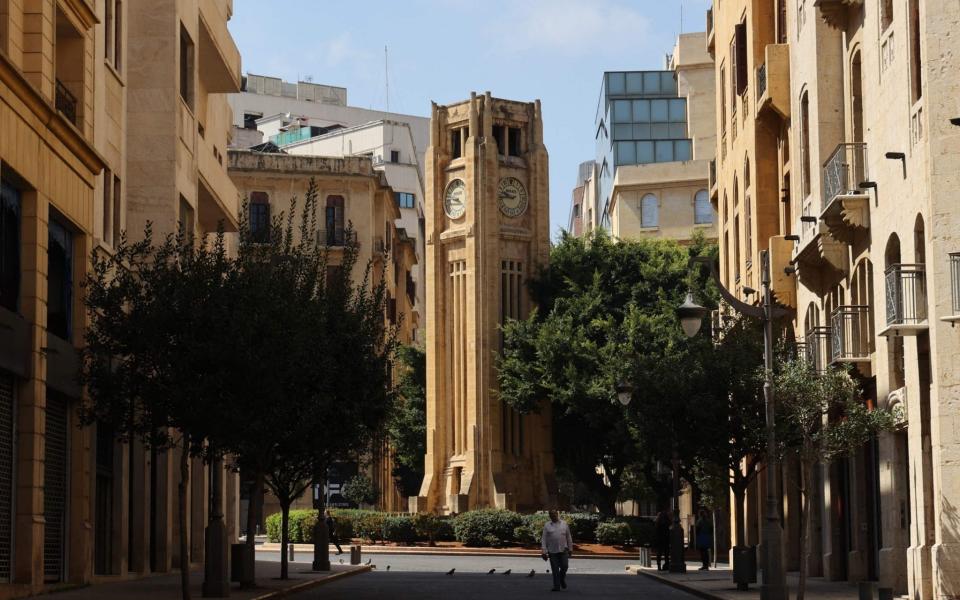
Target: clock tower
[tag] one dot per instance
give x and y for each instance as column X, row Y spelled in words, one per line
column 487, row 232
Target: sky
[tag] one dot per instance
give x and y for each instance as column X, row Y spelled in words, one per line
column 441, row 50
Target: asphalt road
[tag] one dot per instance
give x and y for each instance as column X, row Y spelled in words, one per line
column 424, row 578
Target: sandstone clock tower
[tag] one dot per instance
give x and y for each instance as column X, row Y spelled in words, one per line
column 487, row 231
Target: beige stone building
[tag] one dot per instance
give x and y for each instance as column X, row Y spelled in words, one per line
column 838, row 154
column 354, row 199
column 487, row 230
column 86, row 123
column 655, row 198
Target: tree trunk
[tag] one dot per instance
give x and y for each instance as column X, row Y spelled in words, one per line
column 253, row 512
column 806, row 522
column 182, row 521
column 284, row 537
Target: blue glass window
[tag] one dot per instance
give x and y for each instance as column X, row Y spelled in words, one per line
column 626, row 153
column 668, row 84
column 664, row 151
column 678, row 110
column 615, row 83
column 651, row 82
column 405, row 199
column 9, row 247
column 659, row 112
column 702, row 209
column 259, row 217
column 634, row 83
column 641, row 111
column 683, row 150
column 621, row 111
column 644, row 152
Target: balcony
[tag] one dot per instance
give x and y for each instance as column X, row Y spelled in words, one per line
column 906, row 294
column 852, row 334
column 219, row 57
column 954, row 288
column 710, row 33
column 818, row 256
column 818, row 348
column 845, row 207
column 337, row 237
column 773, row 82
column 835, row 13
column 712, row 179
column 783, row 285
column 66, row 103
column 896, row 404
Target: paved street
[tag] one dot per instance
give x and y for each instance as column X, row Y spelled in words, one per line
column 423, row 577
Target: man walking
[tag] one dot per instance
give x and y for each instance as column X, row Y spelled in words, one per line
column 557, row 545
column 332, row 530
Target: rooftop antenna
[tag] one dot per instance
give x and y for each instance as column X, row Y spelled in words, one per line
column 386, row 76
column 681, row 17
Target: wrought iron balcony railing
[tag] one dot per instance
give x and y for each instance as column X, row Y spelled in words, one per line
column 817, row 346
column 761, row 81
column 844, row 171
column 852, row 335
column 906, row 293
column 337, row 236
column 955, row 281
column 66, row 103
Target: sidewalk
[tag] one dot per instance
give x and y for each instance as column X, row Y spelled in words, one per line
column 717, row 584
column 167, row 585
column 307, row 549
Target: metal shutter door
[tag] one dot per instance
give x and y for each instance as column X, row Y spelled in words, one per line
column 55, row 488
column 6, row 474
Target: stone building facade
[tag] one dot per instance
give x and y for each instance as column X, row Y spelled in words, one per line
column 83, row 115
column 351, row 194
column 838, row 153
column 487, row 231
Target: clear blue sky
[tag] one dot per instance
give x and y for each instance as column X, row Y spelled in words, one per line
column 440, row 50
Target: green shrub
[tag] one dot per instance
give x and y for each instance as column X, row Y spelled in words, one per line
column 524, row 535
column 400, row 530
column 613, row 533
column 486, row 527
column 445, row 531
column 427, row 526
column 370, row 526
column 359, row 489
column 300, row 526
column 583, row 526
column 534, row 524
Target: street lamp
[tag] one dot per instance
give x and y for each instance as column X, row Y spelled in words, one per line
column 624, row 392
column 774, row 585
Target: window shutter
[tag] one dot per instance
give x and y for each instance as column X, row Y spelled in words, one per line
column 648, row 215
column 741, row 50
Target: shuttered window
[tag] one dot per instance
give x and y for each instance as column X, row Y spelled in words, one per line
column 740, row 42
column 703, row 210
column 649, row 211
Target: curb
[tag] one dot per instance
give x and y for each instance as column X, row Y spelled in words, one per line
column 306, row 585
column 680, row 586
column 428, row 552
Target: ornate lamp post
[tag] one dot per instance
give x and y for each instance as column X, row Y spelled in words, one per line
column 774, row 585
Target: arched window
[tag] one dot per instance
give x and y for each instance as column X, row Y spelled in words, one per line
column 805, row 144
column 746, row 173
column 334, row 221
column 649, row 211
column 702, row 209
column 259, row 215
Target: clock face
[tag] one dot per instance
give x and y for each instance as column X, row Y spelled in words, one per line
column 512, row 197
column 455, row 199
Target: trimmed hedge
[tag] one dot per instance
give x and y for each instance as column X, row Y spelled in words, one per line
column 613, row 533
column 486, row 527
column 400, row 530
column 583, row 526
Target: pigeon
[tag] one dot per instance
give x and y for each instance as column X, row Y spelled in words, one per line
column 532, row 572
column 369, row 560
column 388, row 567
column 491, row 571
column 450, row 572
column 507, row 572
column 341, row 561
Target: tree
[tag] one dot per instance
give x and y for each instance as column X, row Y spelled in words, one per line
column 407, row 426
column 360, row 490
column 607, row 313
column 821, row 417
column 150, row 361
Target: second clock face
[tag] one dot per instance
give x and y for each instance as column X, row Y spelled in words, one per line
column 512, row 197
column 455, row 199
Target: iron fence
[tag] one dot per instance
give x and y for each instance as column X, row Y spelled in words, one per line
column 955, row 280
column 852, row 335
column 906, row 293
column 66, row 102
column 817, row 347
column 843, row 171
column 761, row 81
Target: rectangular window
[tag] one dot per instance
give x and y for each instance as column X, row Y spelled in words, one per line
column 621, row 111
column 513, row 141
column 651, row 83
column 634, row 83
column 626, row 153
column 624, row 132
column 886, row 14
column 678, row 110
column 741, row 57
column 615, row 83
column 118, row 35
column 9, row 247
column 112, row 33
column 456, row 144
column 723, row 99
column 659, row 111
column 664, row 151
column 59, row 279
column 683, row 150
column 641, row 111
column 405, row 199
column 500, row 136
column 185, row 216
column 107, row 207
column 668, row 83
column 250, row 120
column 259, row 217
column 117, row 210
column 186, row 67
column 644, row 153
column 394, row 156
column 916, row 65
